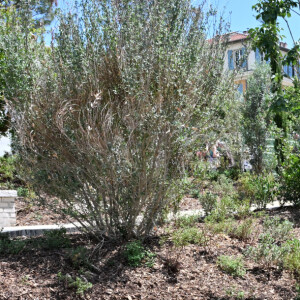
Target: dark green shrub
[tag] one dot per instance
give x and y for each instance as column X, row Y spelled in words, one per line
column 55, row 239
column 78, row 257
column 8, row 246
column 135, row 254
column 231, row 265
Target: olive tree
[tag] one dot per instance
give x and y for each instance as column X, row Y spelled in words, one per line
column 104, row 116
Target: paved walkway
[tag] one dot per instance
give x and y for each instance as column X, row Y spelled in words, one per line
column 36, row 230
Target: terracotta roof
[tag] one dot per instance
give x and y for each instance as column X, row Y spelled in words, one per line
column 236, row 36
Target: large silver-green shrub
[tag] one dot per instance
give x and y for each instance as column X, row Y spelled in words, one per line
column 113, row 106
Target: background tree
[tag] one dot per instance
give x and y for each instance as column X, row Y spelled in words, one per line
column 267, row 38
column 38, row 13
column 255, row 114
column 104, row 117
column 41, row 11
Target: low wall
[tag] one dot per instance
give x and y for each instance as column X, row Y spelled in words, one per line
column 7, row 208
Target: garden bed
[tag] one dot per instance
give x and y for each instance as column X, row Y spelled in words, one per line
column 41, row 269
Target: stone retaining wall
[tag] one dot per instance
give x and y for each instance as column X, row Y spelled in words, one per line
column 7, row 208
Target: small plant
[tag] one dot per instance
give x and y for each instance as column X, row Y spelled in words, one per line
column 225, row 226
column 55, row 239
column 298, row 292
column 267, row 252
column 278, row 229
column 186, row 236
column 243, row 230
column 235, row 293
column 260, row 189
column 208, row 201
column 224, row 209
column 135, row 254
column 187, row 221
column 80, row 285
column 78, row 257
column 23, row 192
column 231, row 265
column 7, row 168
column 292, row 259
column 224, row 187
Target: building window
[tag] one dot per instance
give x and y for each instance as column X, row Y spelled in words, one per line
column 237, row 59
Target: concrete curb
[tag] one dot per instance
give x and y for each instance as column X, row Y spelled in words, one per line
column 38, row 230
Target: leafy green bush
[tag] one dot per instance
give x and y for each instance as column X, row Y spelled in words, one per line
column 224, row 187
column 231, row 265
column 260, row 189
column 224, row 226
column 79, row 284
column 225, row 208
column 291, row 178
column 7, row 168
column 23, row 192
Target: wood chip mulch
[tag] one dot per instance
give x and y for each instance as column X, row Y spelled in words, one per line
column 194, row 275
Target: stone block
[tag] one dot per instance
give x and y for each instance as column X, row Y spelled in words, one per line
column 7, row 208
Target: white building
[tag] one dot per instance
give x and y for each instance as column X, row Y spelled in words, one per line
column 240, row 56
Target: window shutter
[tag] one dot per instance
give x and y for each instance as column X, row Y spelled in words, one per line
column 290, row 70
column 240, row 88
column 230, row 60
column 244, row 58
column 285, row 70
column 257, row 56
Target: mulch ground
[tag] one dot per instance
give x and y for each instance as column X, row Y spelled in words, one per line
column 33, row 212
column 186, row 273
